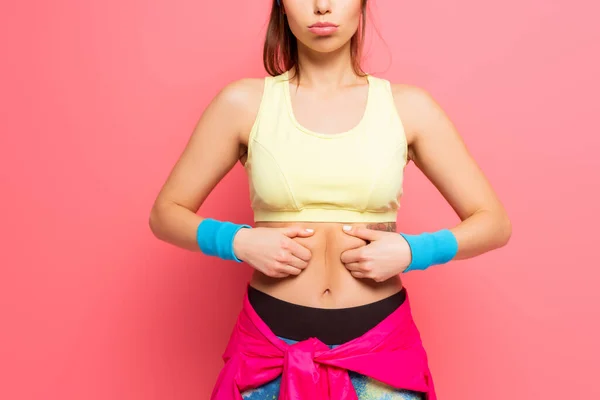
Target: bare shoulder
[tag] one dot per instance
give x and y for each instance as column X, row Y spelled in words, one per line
column 405, row 94
column 242, row 93
column 424, row 120
column 242, row 100
column 416, row 107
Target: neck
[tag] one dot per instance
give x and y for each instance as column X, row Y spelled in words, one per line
column 326, row 71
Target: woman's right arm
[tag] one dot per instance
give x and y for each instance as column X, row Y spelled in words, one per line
column 211, row 152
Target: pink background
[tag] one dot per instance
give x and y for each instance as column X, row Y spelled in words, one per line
column 98, row 100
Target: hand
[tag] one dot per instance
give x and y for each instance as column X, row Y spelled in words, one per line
column 272, row 251
column 386, row 254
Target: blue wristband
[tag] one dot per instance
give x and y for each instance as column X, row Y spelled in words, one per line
column 429, row 249
column 215, row 238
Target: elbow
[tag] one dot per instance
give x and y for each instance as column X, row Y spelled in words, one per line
column 154, row 221
column 504, row 231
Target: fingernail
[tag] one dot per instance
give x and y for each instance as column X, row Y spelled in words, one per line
column 309, row 230
column 346, row 227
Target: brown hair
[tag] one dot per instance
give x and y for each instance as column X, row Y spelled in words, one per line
column 280, row 50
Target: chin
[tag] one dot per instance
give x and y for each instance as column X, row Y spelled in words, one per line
column 326, row 44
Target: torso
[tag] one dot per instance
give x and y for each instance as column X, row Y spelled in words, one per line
column 325, row 283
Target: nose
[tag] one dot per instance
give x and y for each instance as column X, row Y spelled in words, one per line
column 322, row 7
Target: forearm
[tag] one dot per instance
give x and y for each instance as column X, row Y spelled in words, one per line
column 175, row 224
column 481, row 232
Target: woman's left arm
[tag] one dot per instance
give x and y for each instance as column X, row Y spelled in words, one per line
column 440, row 153
column 437, row 149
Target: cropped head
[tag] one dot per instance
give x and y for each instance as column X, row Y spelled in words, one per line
column 320, row 26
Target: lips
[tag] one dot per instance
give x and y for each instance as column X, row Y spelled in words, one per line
column 322, row 25
column 323, row 28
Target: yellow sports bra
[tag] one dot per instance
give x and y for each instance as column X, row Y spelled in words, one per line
column 296, row 174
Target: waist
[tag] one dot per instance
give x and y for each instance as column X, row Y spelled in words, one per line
column 331, row 326
column 325, row 282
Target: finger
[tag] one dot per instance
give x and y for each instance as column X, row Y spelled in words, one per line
column 353, row 267
column 295, row 231
column 361, row 232
column 288, row 269
column 361, row 266
column 350, row 256
column 299, row 251
column 357, row 274
column 297, row 262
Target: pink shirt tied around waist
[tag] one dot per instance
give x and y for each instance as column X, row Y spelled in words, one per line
column 391, row 352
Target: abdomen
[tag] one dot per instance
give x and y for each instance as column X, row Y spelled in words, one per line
column 325, row 282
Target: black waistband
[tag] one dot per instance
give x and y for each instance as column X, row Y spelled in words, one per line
column 331, row 326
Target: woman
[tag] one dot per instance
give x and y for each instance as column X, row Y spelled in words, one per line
column 325, row 146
